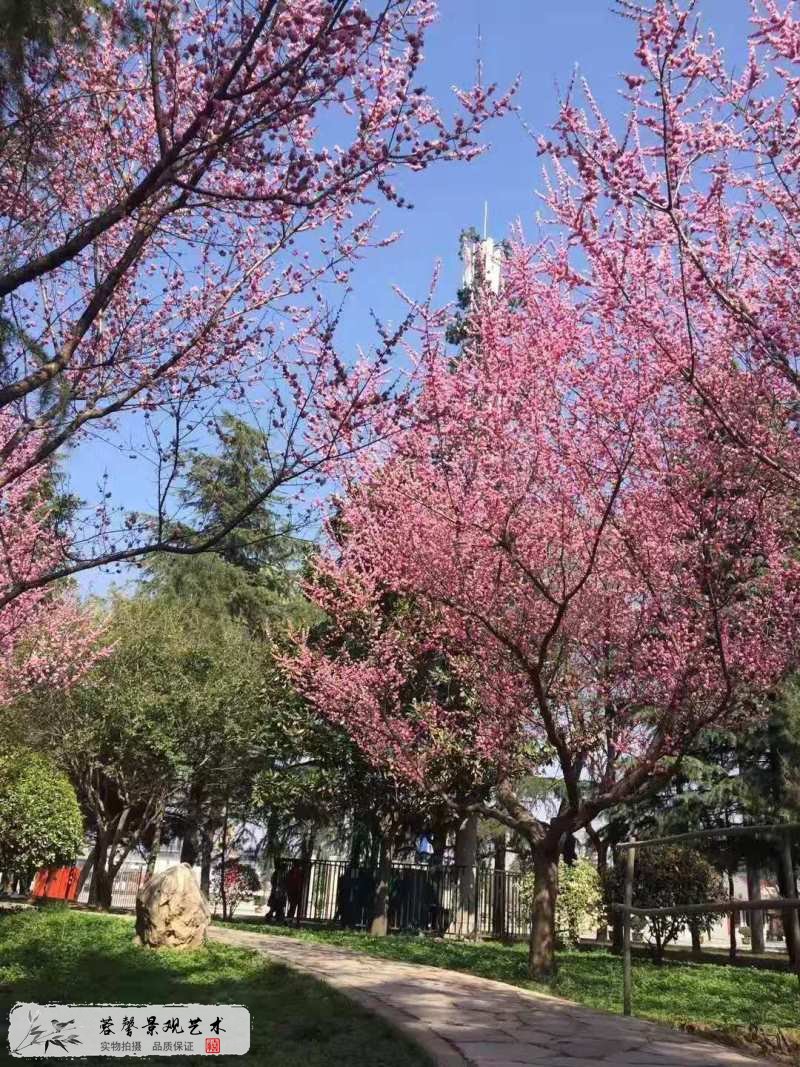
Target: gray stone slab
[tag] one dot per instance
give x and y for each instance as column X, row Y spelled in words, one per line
column 467, row 1035
column 494, row 1053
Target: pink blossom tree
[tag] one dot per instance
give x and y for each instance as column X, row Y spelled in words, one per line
column 46, row 636
column 178, row 182
column 685, row 216
column 606, row 571
column 175, row 188
column 596, row 505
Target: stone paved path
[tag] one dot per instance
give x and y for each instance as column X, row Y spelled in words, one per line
column 461, row 1019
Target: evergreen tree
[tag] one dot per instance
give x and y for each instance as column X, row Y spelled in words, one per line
column 254, row 571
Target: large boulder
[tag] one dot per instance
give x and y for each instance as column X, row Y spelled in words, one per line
column 171, row 910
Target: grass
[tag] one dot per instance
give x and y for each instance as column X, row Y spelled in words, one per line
column 74, row 957
column 679, row 994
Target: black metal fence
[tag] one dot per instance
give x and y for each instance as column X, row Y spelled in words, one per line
column 127, row 883
column 460, row 901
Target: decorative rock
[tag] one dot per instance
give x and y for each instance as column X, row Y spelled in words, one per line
column 171, row 911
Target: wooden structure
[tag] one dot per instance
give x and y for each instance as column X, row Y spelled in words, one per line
column 783, row 835
column 56, row 883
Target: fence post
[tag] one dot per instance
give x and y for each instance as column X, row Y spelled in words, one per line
column 630, row 860
column 793, row 926
column 477, row 925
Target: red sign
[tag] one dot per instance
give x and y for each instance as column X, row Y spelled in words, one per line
column 212, row 1046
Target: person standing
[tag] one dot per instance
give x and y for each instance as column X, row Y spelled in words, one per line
column 277, row 898
column 295, row 881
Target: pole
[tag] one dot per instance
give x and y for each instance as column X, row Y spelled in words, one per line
column 627, row 982
column 772, row 904
column 731, row 920
column 721, row 831
column 477, row 892
column 793, row 925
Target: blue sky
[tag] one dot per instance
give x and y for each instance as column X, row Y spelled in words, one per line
column 542, row 41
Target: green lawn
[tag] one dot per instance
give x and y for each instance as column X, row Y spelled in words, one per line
column 74, row 957
column 675, row 993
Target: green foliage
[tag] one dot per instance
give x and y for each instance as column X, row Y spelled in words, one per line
column 579, row 900
column 38, row 24
column 40, row 820
column 209, row 584
column 236, row 486
column 253, row 572
column 177, row 689
column 180, row 696
column 296, row 1021
column 673, row 993
column 771, row 753
column 666, row 877
column 750, row 776
column 269, row 763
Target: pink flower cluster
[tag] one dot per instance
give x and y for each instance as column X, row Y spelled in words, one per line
column 46, row 636
column 200, row 177
column 177, row 185
column 607, row 572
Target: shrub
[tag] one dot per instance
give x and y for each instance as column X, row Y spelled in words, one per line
column 664, row 878
column 241, row 881
column 40, row 820
column 579, row 901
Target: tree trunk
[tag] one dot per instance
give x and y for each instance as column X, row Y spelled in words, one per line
column 756, row 918
column 658, row 946
column 570, row 849
column 787, row 884
column 190, row 845
column 499, row 894
column 99, row 871
column 206, row 851
column 694, row 930
column 155, row 847
column 307, row 846
column 103, row 886
column 541, row 952
column 438, row 839
column 466, row 857
column 379, row 924
column 222, row 858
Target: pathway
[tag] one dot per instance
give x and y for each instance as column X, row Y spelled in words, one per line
column 461, row 1019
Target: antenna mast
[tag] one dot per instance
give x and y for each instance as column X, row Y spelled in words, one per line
column 479, row 57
